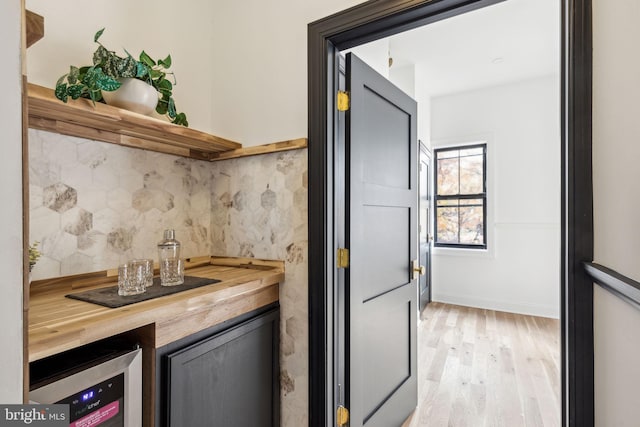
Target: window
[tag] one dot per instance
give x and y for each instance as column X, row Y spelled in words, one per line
column 461, row 197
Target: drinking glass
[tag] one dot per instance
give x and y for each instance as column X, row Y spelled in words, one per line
column 148, row 267
column 171, row 272
column 131, row 280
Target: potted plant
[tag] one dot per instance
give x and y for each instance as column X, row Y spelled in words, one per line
column 110, row 71
column 34, row 255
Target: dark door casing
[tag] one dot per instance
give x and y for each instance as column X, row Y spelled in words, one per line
column 373, row 20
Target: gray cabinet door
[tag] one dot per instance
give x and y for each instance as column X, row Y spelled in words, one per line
column 230, row 379
column 382, row 195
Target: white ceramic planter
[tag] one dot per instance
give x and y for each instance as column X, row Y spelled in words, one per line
column 134, row 95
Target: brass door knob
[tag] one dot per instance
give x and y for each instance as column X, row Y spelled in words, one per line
column 417, row 270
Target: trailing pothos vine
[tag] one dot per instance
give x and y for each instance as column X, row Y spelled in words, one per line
column 89, row 81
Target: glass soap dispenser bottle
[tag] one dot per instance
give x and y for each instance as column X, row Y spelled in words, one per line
column 171, row 266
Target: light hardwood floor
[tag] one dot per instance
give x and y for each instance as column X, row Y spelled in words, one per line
column 484, row 368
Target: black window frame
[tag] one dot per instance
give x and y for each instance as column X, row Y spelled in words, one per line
column 482, row 196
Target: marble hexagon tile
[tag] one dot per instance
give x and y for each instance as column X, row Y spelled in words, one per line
column 259, row 208
column 94, row 205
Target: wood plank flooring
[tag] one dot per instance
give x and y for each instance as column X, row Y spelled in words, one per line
column 484, row 368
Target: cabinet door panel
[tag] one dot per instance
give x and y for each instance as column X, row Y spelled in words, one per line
column 231, row 378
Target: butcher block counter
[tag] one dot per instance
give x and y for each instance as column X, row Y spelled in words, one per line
column 57, row 323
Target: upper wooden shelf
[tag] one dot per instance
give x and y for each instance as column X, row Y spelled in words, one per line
column 105, row 123
column 110, row 124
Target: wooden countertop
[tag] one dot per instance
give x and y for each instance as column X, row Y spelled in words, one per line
column 57, row 323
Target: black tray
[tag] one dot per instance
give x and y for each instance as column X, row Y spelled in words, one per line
column 108, row 297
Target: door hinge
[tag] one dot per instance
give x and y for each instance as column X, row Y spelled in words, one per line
column 342, row 100
column 342, row 258
column 342, row 416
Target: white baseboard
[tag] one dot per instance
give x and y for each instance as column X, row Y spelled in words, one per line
column 507, row 306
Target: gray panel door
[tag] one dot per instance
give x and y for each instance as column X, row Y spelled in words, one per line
column 424, row 207
column 382, row 238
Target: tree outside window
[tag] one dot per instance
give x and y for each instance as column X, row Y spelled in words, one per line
column 461, row 197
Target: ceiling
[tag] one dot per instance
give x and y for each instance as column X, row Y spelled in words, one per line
column 509, row 41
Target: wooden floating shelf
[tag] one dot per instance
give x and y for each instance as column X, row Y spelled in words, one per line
column 105, row 123
column 35, row 27
column 110, row 124
column 293, row 144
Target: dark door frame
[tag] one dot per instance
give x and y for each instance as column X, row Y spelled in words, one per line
column 380, row 18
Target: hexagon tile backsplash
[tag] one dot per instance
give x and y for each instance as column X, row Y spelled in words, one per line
column 95, row 205
column 259, row 209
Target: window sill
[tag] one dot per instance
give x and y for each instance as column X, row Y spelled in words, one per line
column 463, row 252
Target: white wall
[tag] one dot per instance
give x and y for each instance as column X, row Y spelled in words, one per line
column 11, row 212
column 616, row 154
column 616, row 368
column 423, row 96
column 520, row 270
column 405, row 78
column 241, row 66
column 260, row 93
column 616, row 134
column 375, row 54
column 160, row 27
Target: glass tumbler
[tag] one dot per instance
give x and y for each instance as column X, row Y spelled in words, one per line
column 131, row 281
column 148, row 267
column 171, row 272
